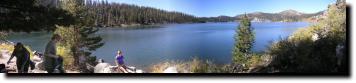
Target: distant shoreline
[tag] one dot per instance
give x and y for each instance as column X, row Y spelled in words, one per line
column 160, row 24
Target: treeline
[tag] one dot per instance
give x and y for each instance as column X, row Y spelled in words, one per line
column 216, row 19
column 29, row 15
column 117, row 14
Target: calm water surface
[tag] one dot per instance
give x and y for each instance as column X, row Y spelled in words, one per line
column 147, row 46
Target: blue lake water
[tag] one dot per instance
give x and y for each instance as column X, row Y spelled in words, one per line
column 143, row 47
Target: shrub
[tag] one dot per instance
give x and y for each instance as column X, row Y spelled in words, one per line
column 302, row 53
column 193, row 66
column 66, row 55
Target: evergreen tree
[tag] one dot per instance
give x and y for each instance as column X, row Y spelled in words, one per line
column 116, row 14
column 30, row 15
column 244, row 39
column 81, row 39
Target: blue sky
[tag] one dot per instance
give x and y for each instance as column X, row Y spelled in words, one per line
column 209, row 8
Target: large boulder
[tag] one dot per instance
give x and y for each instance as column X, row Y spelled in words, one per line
column 171, row 70
column 102, row 68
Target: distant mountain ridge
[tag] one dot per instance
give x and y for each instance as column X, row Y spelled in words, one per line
column 290, row 12
column 283, row 16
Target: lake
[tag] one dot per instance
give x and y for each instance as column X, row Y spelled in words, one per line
column 143, row 47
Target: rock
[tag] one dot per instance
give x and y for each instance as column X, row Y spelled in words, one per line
column 71, row 71
column 132, row 69
column 170, row 70
column 5, row 56
column 37, row 71
column 39, row 65
column 90, row 68
column 36, row 59
column 315, row 37
column 236, row 68
column 139, row 71
column 102, row 68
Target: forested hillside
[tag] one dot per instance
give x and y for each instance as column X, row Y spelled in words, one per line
column 118, row 14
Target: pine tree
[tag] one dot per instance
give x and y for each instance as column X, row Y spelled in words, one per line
column 30, row 15
column 82, row 39
column 244, row 39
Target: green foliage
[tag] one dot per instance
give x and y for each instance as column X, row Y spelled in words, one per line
column 8, row 47
column 244, row 39
column 290, row 55
column 79, row 39
column 254, row 61
column 117, row 14
column 28, row 48
column 215, row 19
column 301, row 53
column 27, row 16
column 198, row 66
column 67, row 55
column 337, row 20
column 63, row 48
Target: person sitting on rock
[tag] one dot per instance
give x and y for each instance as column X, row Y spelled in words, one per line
column 119, row 59
column 22, row 58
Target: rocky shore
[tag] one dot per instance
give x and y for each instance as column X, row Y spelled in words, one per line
column 5, row 54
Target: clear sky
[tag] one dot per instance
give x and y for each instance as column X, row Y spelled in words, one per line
column 209, row 8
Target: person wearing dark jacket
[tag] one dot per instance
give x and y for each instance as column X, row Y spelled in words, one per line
column 22, row 58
